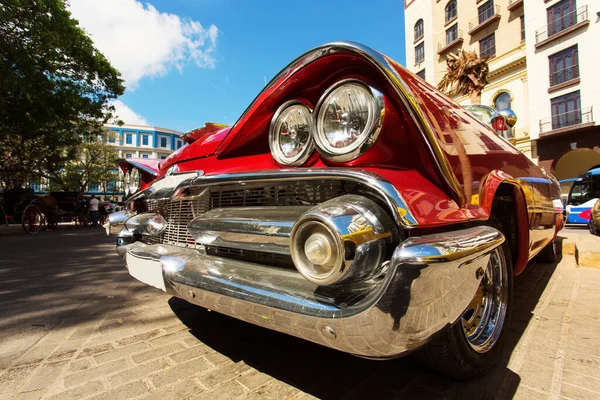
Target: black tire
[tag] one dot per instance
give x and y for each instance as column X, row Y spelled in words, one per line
column 592, row 227
column 549, row 254
column 452, row 354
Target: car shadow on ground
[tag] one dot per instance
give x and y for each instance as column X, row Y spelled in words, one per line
column 330, row 374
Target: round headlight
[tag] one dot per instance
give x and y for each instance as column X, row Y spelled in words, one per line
column 290, row 134
column 348, row 120
column 126, row 180
column 135, row 181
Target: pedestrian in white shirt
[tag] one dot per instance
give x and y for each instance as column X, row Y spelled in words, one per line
column 94, row 210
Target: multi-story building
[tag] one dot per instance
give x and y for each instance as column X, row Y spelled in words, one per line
column 137, row 141
column 563, row 53
column 494, row 28
column 131, row 141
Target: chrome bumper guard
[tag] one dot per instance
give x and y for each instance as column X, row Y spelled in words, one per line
column 425, row 288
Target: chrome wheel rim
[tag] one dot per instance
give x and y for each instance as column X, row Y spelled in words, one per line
column 483, row 319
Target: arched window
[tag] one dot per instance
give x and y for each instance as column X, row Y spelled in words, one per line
column 502, row 102
column 450, row 10
column 419, row 32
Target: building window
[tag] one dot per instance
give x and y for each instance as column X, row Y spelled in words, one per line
column 451, row 34
column 128, row 155
column 451, row 10
column 564, row 66
column 111, row 137
column 419, row 32
column 486, row 11
column 128, row 138
column 163, row 142
column 179, row 143
column 419, row 53
column 163, row 157
column 561, row 16
column 145, row 140
column 487, row 46
column 421, row 74
column 566, row 110
column 144, row 155
column 522, row 28
column 503, row 102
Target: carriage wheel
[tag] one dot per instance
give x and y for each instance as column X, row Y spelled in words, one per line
column 32, row 219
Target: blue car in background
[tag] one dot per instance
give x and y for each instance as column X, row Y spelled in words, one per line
column 583, row 194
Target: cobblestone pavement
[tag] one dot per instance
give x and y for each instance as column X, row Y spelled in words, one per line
column 74, row 325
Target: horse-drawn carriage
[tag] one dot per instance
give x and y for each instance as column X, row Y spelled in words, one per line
column 35, row 212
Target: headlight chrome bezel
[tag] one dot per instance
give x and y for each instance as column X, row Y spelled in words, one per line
column 135, row 180
column 274, row 137
column 368, row 136
column 126, row 182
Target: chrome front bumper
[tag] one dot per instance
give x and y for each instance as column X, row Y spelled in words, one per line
column 425, row 288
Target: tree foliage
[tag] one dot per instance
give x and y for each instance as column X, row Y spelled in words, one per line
column 94, row 162
column 466, row 75
column 54, row 88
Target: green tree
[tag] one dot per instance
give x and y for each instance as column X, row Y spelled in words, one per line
column 94, row 162
column 55, row 87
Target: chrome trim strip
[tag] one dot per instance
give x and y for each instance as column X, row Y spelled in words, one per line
column 382, row 187
column 403, row 91
column 232, row 228
column 424, row 289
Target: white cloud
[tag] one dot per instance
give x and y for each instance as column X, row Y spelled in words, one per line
column 142, row 42
column 127, row 115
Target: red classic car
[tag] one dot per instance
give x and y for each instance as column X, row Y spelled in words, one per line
column 352, row 205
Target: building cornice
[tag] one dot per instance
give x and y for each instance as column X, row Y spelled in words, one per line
column 144, row 128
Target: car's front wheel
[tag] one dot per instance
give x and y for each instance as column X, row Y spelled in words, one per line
column 474, row 344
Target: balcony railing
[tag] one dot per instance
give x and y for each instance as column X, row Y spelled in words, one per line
column 562, row 23
column 485, row 17
column 450, row 41
column 567, row 119
column 514, row 4
column 564, row 75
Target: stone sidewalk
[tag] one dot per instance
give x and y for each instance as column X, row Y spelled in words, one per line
column 74, row 325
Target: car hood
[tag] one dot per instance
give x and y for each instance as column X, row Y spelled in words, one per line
column 204, row 146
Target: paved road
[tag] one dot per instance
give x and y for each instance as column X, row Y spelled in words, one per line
column 74, row 325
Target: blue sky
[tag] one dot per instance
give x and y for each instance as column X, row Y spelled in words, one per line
column 256, row 39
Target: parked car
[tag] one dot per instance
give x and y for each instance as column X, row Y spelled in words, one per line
column 594, row 222
column 352, row 205
column 583, row 194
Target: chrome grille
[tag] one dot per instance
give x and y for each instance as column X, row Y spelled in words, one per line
column 180, row 211
column 288, row 194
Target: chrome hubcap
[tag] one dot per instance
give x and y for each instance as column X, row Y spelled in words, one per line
column 483, row 319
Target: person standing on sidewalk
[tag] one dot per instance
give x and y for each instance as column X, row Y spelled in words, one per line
column 94, row 211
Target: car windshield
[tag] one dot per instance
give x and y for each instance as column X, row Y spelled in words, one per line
column 586, row 189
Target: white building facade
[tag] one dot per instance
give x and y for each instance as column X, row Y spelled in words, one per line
column 563, row 57
column 494, row 28
column 138, row 141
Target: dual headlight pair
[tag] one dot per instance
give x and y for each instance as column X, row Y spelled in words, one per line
column 346, row 122
column 132, row 181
